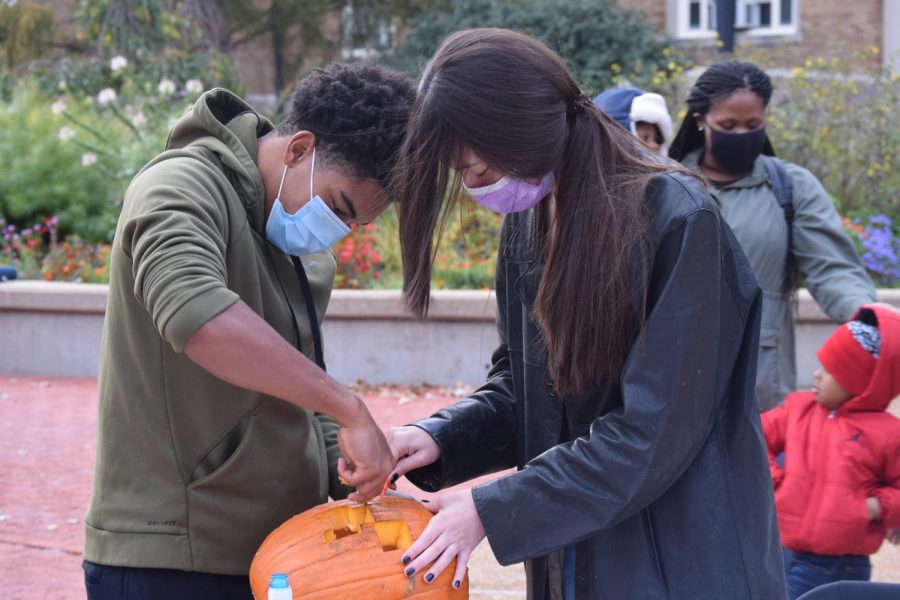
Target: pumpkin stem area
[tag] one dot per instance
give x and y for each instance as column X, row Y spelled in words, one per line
column 352, row 520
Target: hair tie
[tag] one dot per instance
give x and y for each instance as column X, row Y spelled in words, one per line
column 580, row 101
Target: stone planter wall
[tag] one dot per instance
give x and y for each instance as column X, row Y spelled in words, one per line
column 55, row 329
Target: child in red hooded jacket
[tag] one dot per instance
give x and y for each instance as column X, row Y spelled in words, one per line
column 839, row 490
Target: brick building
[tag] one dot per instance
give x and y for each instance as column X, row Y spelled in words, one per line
column 802, row 29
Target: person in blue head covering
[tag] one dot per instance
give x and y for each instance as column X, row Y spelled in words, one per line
column 642, row 113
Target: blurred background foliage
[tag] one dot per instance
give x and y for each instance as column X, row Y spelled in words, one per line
column 85, row 102
column 601, row 42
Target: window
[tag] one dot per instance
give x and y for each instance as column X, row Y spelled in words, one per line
column 766, row 17
column 696, row 19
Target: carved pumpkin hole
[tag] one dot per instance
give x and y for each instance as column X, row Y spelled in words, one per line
column 350, row 520
column 394, row 535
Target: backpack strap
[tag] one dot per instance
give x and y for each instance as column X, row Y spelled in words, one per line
column 783, row 188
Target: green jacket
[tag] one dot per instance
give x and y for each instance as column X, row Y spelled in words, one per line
column 192, row 472
column 822, row 252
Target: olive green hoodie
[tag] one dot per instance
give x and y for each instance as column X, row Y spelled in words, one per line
column 192, row 472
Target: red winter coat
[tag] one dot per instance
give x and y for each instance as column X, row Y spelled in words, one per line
column 835, row 459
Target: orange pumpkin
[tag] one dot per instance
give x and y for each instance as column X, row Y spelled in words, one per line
column 348, row 550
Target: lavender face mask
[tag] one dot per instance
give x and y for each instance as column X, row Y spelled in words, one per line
column 512, row 194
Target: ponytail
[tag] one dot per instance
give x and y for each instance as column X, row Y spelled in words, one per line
column 590, row 301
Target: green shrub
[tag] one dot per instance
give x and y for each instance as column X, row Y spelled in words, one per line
column 48, row 171
column 603, row 43
column 840, row 120
column 72, row 153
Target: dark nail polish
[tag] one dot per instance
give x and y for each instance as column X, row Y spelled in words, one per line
column 395, row 477
column 429, row 578
column 456, row 584
column 410, row 572
column 405, row 559
column 426, row 501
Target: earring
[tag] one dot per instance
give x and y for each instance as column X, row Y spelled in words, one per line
column 700, row 128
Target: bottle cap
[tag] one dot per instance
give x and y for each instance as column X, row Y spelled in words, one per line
column 278, row 581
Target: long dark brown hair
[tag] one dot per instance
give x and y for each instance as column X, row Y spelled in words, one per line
column 513, row 102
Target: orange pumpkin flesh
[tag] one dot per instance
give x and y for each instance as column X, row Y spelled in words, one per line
column 348, row 550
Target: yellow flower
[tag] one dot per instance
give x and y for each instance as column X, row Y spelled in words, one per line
column 873, row 49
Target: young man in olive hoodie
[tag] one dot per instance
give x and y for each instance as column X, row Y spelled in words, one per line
column 215, row 422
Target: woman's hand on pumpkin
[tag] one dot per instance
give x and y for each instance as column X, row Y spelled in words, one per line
column 367, row 460
column 453, row 533
column 412, row 448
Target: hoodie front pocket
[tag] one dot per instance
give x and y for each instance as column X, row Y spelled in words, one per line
column 273, row 474
column 221, row 452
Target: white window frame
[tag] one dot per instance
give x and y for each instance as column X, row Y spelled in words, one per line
column 682, row 29
column 680, row 15
column 775, row 28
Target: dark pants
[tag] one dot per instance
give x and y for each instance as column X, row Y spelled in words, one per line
column 130, row 583
column 807, row 571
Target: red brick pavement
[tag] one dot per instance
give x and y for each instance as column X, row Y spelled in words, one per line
column 47, row 436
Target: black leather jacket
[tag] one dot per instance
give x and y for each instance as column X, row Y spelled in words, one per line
column 664, row 483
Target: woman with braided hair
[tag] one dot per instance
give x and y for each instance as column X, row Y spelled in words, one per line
column 622, row 388
column 780, row 213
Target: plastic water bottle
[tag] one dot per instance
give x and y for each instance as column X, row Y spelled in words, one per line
column 279, row 587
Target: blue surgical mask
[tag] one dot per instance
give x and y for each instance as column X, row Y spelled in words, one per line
column 313, row 228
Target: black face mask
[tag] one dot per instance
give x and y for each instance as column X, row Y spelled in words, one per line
column 736, row 152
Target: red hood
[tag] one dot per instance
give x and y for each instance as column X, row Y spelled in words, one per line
column 885, row 383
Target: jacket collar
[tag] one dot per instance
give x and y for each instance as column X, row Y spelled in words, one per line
column 757, row 176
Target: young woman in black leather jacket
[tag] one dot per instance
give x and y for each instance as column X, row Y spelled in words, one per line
column 622, row 389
